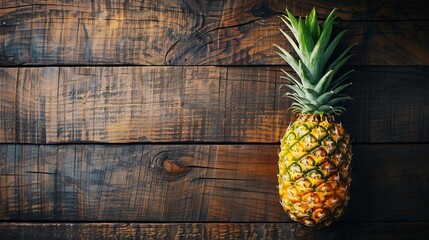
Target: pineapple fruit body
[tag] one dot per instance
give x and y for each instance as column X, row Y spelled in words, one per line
column 314, row 170
column 315, row 156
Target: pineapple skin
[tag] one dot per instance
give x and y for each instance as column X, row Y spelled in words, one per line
column 315, row 170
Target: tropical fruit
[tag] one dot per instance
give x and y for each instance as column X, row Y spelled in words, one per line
column 315, row 155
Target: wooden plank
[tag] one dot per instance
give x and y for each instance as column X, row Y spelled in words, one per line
column 190, row 33
column 369, row 11
column 389, row 182
column 194, row 183
column 137, row 182
column 390, row 105
column 137, row 231
column 135, row 104
column 197, row 104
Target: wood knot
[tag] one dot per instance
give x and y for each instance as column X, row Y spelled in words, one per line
column 170, row 165
column 262, row 10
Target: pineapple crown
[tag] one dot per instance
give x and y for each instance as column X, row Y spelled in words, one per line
column 316, row 89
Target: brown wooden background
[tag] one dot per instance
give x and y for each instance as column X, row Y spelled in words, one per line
column 161, row 119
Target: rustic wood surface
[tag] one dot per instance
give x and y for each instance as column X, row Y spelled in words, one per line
column 206, row 33
column 140, row 104
column 267, row 231
column 184, row 144
column 198, row 104
column 193, row 183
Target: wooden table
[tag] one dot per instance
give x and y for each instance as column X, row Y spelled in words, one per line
column 162, row 119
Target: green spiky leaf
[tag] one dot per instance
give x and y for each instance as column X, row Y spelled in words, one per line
column 330, row 49
column 315, row 88
column 324, row 82
column 306, row 42
column 312, row 24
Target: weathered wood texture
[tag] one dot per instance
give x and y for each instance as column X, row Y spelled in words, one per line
column 205, row 33
column 274, row 231
column 198, row 104
column 194, row 183
column 58, row 180
column 135, row 104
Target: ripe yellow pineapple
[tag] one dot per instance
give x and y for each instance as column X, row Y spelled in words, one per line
column 315, row 155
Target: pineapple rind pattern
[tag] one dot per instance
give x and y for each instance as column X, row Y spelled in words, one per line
column 314, row 170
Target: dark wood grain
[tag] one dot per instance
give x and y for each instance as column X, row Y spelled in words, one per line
column 198, row 104
column 198, row 33
column 390, row 105
column 138, row 231
column 135, row 104
column 193, row 183
column 390, row 182
column 184, row 145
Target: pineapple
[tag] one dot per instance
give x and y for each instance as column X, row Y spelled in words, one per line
column 315, row 155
